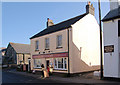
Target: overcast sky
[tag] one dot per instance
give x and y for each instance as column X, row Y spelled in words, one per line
column 21, row 20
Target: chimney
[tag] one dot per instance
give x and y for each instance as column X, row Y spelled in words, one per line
column 49, row 22
column 89, row 8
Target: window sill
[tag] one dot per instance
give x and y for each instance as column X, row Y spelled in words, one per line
column 36, row 50
column 47, row 49
column 60, row 69
column 58, row 47
column 37, row 67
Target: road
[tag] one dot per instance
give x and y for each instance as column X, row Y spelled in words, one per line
column 8, row 77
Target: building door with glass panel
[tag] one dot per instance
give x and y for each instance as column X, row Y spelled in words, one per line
column 47, row 63
column 29, row 64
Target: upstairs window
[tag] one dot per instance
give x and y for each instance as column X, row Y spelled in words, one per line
column 37, row 45
column 46, row 43
column 59, row 41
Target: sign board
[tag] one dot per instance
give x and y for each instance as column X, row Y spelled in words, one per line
column 50, row 55
column 109, row 49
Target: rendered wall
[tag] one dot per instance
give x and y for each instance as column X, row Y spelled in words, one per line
column 52, row 43
column 111, row 61
column 85, row 45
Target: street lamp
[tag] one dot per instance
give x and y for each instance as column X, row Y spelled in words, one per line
column 101, row 60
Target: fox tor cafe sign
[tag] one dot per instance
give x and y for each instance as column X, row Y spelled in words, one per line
column 109, row 48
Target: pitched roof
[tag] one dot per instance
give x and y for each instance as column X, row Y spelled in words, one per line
column 60, row 26
column 21, row 48
column 3, row 50
column 113, row 14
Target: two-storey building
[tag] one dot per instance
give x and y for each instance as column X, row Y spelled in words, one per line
column 17, row 54
column 71, row 46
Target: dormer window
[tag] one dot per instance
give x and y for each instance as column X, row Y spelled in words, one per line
column 36, row 45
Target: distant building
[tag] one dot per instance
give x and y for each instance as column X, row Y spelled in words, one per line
column 111, row 33
column 3, row 50
column 71, row 46
column 17, row 54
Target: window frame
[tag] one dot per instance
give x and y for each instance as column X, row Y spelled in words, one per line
column 58, row 41
column 47, row 43
column 36, row 66
column 56, row 67
column 36, row 45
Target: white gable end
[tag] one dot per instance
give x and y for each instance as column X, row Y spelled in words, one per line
column 86, row 37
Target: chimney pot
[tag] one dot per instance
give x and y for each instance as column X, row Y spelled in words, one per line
column 90, row 8
column 47, row 18
column 49, row 22
column 89, row 3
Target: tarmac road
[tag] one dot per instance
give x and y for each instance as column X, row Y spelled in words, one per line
column 8, row 77
column 12, row 78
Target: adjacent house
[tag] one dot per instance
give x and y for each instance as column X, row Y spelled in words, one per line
column 71, row 46
column 17, row 53
column 3, row 50
column 111, row 31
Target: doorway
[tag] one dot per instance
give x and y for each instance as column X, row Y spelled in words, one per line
column 29, row 64
column 47, row 63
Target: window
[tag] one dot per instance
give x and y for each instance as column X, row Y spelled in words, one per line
column 119, row 28
column 46, row 43
column 59, row 41
column 60, row 63
column 37, row 63
column 37, row 45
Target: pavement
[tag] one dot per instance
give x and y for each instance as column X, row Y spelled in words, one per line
column 87, row 78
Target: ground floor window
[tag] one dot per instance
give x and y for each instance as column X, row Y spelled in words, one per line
column 60, row 63
column 37, row 63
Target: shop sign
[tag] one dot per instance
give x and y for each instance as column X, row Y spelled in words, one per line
column 50, row 55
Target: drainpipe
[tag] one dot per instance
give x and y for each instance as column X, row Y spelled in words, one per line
column 68, row 54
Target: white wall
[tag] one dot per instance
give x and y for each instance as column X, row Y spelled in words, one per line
column 86, row 35
column 111, row 62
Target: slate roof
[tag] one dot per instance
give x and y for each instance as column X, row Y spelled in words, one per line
column 113, row 14
column 60, row 26
column 21, row 48
column 3, row 50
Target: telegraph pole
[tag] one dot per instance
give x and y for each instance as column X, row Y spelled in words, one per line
column 101, row 60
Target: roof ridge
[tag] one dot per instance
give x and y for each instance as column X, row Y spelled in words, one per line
column 59, row 26
column 18, row 43
column 112, row 14
column 67, row 20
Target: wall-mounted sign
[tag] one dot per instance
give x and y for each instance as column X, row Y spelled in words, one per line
column 50, row 55
column 109, row 49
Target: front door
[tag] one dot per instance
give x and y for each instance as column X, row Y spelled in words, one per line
column 47, row 63
column 29, row 65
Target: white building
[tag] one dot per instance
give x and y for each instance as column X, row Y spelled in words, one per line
column 71, row 46
column 111, row 33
